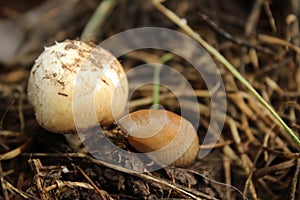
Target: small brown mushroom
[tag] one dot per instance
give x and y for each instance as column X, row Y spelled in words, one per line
column 173, row 137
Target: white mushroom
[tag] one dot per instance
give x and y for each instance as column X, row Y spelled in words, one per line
column 74, row 66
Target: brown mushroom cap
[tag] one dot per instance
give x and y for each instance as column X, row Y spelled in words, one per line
column 169, row 136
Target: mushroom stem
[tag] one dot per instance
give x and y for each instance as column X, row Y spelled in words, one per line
column 74, row 141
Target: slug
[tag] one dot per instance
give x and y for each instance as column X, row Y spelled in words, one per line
column 170, row 137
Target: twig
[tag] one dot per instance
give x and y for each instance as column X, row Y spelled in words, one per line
column 8, row 133
column 217, row 145
column 265, row 144
column 173, row 17
column 270, row 15
column 177, row 188
column 282, row 154
column 273, row 66
column 216, row 182
column 245, row 160
column 226, row 166
column 15, row 152
column 253, row 18
column 36, row 165
column 277, row 41
column 267, row 188
column 20, row 108
column 280, row 144
column 240, row 103
column 148, row 100
column 274, row 168
column 292, row 30
column 295, row 180
column 12, row 189
column 249, row 31
column 229, row 37
column 102, row 193
column 250, row 175
column 245, row 127
column 93, row 27
column 60, row 184
column 3, row 184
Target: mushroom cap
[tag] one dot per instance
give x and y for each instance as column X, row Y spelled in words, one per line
column 164, row 135
column 71, row 77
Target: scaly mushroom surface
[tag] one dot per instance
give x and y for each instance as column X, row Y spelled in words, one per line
column 75, row 66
